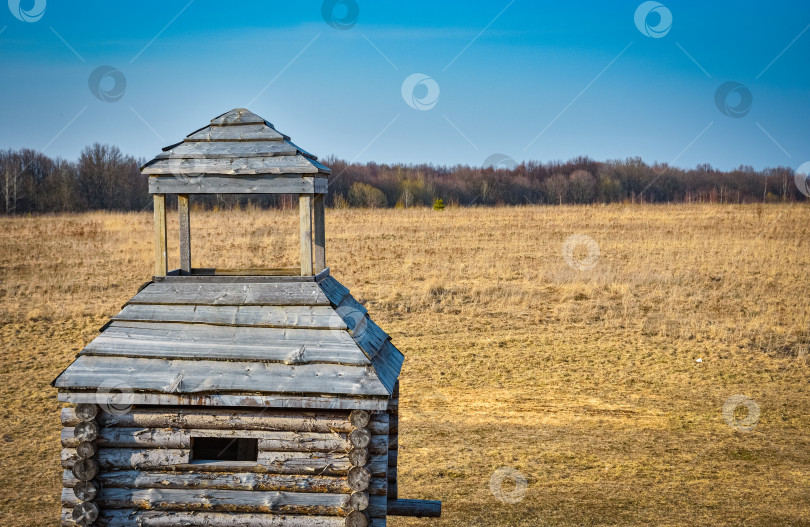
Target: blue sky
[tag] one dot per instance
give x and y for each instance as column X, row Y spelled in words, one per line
column 531, row 80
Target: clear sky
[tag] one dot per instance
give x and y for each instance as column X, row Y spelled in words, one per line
column 527, row 79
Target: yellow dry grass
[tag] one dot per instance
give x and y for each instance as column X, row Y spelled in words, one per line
column 586, row 382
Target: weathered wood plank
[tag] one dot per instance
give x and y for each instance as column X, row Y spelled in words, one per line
column 141, row 518
column 229, row 419
column 241, row 183
column 161, row 257
column 207, row 376
column 204, row 275
column 245, row 400
column 248, row 132
column 185, row 233
column 318, row 234
column 307, row 463
column 238, row 166
column 237, row 294
column 306, row 317
column 237, row 116
column 137, row 479
column 113, row 458
column 318, row 503
column 305, row 229
column 226, row 149
column 181, row 438
column 204, row 342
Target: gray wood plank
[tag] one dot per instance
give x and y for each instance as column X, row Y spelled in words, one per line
column 292, row 164
column 249, row 132
column 206, row 376
column 228, row 149
column 239, row 294
column 314, row 317
column 237, row 116
column 243, row 400
column 292, row 183
column 234, row 279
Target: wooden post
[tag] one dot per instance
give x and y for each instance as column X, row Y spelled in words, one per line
column 305, row 213
column 185, row 233
column 161, row 260
column 319, row 234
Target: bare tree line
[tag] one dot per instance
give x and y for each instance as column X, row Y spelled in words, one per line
column 103, row 178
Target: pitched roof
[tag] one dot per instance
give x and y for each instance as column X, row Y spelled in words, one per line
column 276, row 342
column 238, row 142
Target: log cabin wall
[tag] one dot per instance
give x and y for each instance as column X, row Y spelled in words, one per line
column 313, row 468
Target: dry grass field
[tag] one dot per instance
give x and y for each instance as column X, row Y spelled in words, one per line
column 585, row 381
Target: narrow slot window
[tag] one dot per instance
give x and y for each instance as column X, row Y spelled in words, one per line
column 212, row 449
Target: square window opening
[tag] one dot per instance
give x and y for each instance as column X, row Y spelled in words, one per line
column 212, row 449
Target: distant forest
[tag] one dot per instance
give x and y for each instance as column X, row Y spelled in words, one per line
column 103, row 178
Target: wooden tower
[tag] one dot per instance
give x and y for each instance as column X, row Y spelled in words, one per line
column 235, row 397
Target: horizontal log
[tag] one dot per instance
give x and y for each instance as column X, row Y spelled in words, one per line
column 129, row 518
column 86, row 412
column 181, row 438
column 136, row 479
column 227, row 419
column 277, row 400
column 140, row 518
column 418, row 508
column 319, row 503
column 306, row 463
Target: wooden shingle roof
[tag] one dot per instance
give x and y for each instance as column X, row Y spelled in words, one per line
column 237, row 152
column 276, row 341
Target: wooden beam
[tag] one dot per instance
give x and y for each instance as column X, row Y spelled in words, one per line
column 418, row 508
column 232, row 184
column 305, row 213
column 185, row 233
column 161, row 260
column 319, row 234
